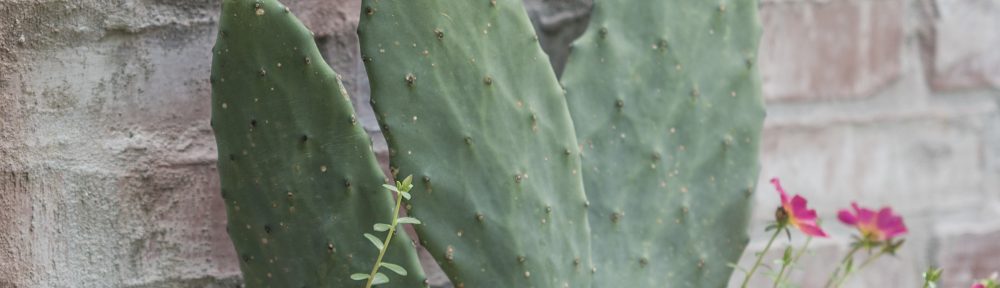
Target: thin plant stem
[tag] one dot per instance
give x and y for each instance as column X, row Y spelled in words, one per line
column 871, row 259
column 385, row 245
column 795, row 259
column 777, row 280
column 863, row 265
column 842, row 262
column 761, row 257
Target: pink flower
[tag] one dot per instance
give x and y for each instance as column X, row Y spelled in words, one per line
column 880, row 226
column 987, row 283
column 799, row 215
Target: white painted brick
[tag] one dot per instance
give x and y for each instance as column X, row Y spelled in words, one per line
column 968, row 248
column 829, row 49
column 962, row 44
column 913, row 165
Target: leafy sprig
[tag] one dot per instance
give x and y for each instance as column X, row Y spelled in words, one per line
column 402, row 190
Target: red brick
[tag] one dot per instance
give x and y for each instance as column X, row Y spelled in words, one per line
column 837, row 49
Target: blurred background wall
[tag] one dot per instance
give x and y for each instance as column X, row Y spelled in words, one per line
column 887, row 103
column 107, row 161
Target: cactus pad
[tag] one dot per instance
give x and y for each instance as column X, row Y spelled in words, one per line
column 470, row 107
column 666, row 102
column 299, row 179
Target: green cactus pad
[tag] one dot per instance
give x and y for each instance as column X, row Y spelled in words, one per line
column 666, row 102
column 471, row 108
column 299, row 179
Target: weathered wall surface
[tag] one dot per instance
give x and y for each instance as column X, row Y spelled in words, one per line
column 106, row 154
column 887, row 102
column 107, row 175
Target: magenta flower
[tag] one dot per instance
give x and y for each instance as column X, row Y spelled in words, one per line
column 987, row 283
column 875, row 226
column 799, row 215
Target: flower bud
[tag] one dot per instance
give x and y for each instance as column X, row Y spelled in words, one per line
column 781, row 216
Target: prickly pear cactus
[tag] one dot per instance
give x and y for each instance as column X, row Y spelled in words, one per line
column 471, row 108
column 300, row 181
column 666, row 102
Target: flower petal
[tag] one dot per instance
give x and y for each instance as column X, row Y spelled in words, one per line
column 811, row 230
column 781, row 191
column 889, row 224
column 884, row 218
column 864, row 215
column 847, row 217
column 800, row 210
column 896, row 228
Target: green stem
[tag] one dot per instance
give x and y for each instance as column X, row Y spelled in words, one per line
column 777, row 280
column 871, row 259
column 761, row 257
column 842, row 262
column 789, row 264
column 863, row 265
column 385, row 245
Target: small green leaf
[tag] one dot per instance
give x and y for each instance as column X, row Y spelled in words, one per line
column 933, row 274
column 737, row 267
column 359, row 276
column 380, row 279
column 395, row 268
column 787, row 258
column 405, row 195
column 931, row 277
column 408, row 220
column 382, row 227
column 375, row 241
column 390, row 187
column 407, row 183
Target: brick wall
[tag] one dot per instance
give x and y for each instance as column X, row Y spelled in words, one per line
column 107, row 175
column 887, row 102
column 106, row 154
